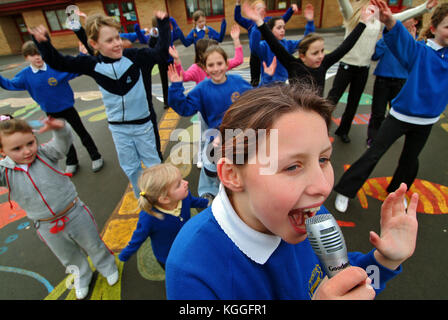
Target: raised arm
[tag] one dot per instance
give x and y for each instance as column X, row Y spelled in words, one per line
column 238, row 57
column 345, row 46
column 400, row 42
column 245, row 23
column 80, row 64
column 158, row 54
column 140, row 35
column 279, row 51
column 15, row 84
column 288, row 14
column 81, row 34
column 346, row 9
column 183, row 105
column 414, row 12
column 222, row 34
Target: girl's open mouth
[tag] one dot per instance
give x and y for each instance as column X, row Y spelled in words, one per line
column 297, row 218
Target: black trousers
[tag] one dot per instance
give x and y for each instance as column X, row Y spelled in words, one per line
column 356, row 77
column 384, row 90
column 391, row 130
column 72, row 117
column 255, row 69
column 163, row 70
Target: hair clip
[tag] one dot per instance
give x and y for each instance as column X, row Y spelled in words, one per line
column 3, row 117
column 142, row 193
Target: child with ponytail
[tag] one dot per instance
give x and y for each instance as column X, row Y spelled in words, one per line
column 165, row 204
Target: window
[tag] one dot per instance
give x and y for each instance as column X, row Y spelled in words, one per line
column 22, row 28
column 281, row 5
column 123, row 11
column 398, row 5
column 56, row 19
column 209, row 7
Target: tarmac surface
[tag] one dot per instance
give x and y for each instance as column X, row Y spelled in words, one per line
column 30, row 271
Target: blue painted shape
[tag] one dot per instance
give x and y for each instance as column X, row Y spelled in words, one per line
column 28, row 273
column 3, row 250
column 23, row 225
column 11, row 238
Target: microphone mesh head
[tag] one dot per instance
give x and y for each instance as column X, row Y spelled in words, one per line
column 324, row 234
column 318, row 218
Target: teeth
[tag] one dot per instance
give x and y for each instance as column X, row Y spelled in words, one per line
column 312, row 209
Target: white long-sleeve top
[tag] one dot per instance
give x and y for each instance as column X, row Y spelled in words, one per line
column 361, row 53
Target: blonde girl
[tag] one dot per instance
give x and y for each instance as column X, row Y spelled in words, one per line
column 165, row 203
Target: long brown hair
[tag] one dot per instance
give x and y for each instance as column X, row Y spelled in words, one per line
column 200, row 48
column 259, row 108
column 440, row 12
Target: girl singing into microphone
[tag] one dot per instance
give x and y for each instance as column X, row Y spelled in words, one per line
column 252, row 242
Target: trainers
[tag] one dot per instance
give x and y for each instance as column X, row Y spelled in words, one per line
column 71, row 168
column 97, row 165
column 81, row 293
column 113, row 278
column 341, row 203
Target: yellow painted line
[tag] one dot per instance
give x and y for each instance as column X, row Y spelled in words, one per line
column 100, row 291
column 120, row 226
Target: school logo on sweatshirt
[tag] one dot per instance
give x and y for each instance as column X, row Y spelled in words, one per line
column 316, row 277
column 52, row 82
column 235, row 96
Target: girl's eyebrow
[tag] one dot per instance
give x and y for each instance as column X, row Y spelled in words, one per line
column 302, row 155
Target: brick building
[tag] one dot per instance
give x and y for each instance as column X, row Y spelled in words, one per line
column 17, row 15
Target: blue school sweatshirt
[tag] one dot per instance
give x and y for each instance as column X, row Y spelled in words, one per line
column 264, row 52
column 388, row 66
column 204, row 263
column 49, row 88
column 249, row 24
column 161, row 232
column 425, row 94
column 210, row 99
column 195, row 35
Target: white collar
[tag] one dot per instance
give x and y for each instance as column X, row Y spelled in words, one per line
column 433, row 45
column 254, row 244
column 203, row 29
column 35, row 70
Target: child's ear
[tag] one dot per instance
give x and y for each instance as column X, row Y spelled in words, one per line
column 163, row 200
column 229, row 175
column 432, row 29
column 93, row 44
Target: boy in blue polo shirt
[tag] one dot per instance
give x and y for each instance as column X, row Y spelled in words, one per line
column 51, row 90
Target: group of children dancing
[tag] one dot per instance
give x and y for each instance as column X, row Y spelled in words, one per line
column 250, row 241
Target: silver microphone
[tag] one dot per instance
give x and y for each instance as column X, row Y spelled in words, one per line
column 328, row 243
